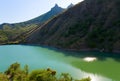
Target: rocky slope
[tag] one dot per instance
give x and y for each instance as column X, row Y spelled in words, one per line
column 91, row 24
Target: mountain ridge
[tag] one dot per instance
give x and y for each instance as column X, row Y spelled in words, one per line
column 88, row 25
column 37, row 20
column 69, row 6
column 13, row 33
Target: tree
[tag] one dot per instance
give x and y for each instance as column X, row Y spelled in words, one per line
column 15, row 73
column 42, row 75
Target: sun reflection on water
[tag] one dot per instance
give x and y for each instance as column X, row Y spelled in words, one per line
column 94, row 77
column 90, row 59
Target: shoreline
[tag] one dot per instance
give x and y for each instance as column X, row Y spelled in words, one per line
column 64, row 49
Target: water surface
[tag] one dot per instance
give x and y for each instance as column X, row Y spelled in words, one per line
column 99, row 66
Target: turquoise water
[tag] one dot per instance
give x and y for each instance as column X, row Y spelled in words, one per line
column 105, row 66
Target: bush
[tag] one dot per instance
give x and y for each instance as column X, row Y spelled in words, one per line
column 15, row 73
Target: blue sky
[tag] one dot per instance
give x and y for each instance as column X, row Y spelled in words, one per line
column 13, row 11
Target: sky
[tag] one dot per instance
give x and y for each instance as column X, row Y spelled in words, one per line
column 14, row 11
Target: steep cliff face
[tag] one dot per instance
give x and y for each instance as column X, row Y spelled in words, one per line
column 91, row 24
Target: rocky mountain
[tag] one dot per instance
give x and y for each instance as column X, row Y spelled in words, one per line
column 38, row 20
column 53, row 12
column 69, row 6
column 13, row 33
column 91, row 24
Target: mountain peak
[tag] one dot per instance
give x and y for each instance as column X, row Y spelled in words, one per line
column 56, row 5
column 71, row 5
column 56, row 8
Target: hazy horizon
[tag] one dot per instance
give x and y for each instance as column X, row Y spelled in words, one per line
column 22, row 10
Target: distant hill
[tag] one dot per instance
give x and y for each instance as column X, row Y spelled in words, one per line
column 13, row 33
column 91, row 24
column 38, row 20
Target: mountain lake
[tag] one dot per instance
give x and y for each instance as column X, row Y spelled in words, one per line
column 97, row 65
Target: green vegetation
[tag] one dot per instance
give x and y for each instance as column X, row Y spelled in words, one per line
column 16, row 73
column 13, row 35
column 102, row 38
column 3, row 37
